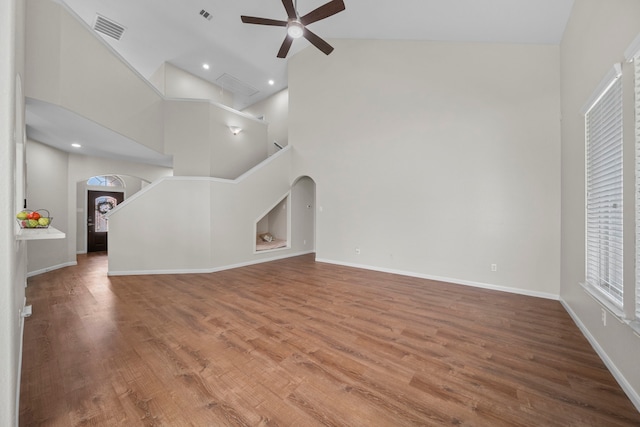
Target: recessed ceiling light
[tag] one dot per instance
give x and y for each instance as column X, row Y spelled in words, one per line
column 76, row 145
column 271, row 82
column 205, row 66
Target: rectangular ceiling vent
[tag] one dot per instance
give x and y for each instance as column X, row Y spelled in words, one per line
column 108, row 27
column 238, row 87
column 206, row 15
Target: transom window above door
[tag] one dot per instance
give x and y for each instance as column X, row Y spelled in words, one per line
column 106, row 181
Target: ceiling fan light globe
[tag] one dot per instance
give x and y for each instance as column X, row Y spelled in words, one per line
column 295, row 29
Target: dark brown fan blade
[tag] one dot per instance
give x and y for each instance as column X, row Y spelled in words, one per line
column 290, row 8
column 263, row 21
column 318, row 42
column 322, row 12
column 286, row 45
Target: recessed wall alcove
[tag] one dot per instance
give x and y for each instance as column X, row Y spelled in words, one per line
column 272, row 228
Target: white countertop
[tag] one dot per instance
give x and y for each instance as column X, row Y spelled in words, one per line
column 39, row 234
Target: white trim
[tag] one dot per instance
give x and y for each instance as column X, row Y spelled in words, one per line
column 602, row 299
column 217, row 104
column 268, row 251
column 261, row 165
column 446, row 279
column 622, row 381
column 54, row 267
column 633, row 50
column 612, row 75
column 635, row 326
column 19, row 373
column 206, row 270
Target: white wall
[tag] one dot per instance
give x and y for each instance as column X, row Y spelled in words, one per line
column 208, row 224
column 275, row 111
column 197, row 135
column 47, row 175
column 278, row 220
column 596, row 37
column 157, row 79
column 181, row 84
column 435, row 159
column 54, row 180
column 12, row 252
column 232, row 155
column 303, row 205
column 82, row 168
column 69, row 65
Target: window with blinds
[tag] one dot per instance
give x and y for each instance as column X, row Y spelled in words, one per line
column 603, row 120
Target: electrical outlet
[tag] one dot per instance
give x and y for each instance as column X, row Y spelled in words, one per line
column 494, row 267
column 304, row 242
column 604, row 317
column 26, row 311
column 357, row 251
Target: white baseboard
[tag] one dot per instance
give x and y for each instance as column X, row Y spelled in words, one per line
column 447, row 280
column 206, row 270
column 624, row 384
column 54, row 267
column 19, row 373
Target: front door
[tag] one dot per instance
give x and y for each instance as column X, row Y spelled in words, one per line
column 100, row 202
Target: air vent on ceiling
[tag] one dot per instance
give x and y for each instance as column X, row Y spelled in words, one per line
column 238, row 87
column 206, row 15
column 108, row 27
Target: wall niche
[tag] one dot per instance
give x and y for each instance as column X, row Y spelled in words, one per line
column 272, row 229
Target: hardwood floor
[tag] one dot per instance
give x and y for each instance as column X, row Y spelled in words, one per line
column 299, row 343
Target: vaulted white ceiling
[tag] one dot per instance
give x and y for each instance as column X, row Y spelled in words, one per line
column 173, row 31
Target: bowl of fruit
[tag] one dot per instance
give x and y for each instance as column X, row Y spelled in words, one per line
column 34, row 219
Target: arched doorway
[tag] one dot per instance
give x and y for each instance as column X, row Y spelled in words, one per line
column 303, row 203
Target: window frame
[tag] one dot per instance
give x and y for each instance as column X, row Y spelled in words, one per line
column 113, row 181
column 633, row 55
column 606, row 286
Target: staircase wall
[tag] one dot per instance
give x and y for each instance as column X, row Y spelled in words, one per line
column 197, row 135
column 198, row 224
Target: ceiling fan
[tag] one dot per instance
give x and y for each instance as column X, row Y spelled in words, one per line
column 297, row 26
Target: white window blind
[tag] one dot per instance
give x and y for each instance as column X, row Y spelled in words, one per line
column 604, row 193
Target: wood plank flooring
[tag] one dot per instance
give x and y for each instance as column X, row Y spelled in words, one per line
column 299, row 343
